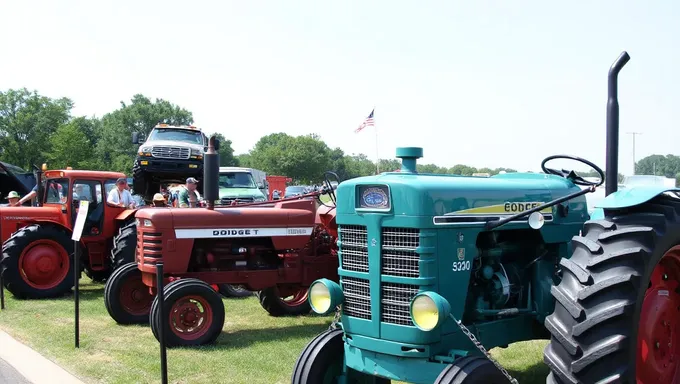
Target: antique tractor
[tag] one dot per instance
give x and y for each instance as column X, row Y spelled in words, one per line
column 37, row 250
column 277, row 248
column 435, row 270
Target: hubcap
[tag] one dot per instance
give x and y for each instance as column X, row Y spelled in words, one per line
column 135, row 297
column 190, row 317
column 44, row 264
column 658, row 336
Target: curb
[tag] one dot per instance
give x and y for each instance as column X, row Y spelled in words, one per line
column 32, row 365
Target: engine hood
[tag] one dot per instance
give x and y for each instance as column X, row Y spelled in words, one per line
column 10, row 217
column 171, row 143
column 415, row 194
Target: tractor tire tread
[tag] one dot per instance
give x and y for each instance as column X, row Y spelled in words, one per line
column 124, row 245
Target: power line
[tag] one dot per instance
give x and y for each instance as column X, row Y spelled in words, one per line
column 634, row 133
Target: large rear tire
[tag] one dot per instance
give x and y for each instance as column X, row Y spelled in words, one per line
column 124, row 245
column 141, row 182
column 38, row 262
column 616, row 314
column 230, row 290
column 321, row 362
column 294, row 305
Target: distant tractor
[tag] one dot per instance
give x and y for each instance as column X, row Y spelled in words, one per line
column 435, row 270
column 171, row 154
column 37, row 250
column 277, row 248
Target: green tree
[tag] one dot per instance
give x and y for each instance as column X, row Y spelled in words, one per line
column 303, row 158
column 227, row 158
column 462, row 169
column 359, row 165
column 27, row 120
column 70, row 147
column 115, row 148
column 659, row 165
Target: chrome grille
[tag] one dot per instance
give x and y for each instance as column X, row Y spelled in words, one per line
column 394, row 303
column 170, row 152
column 357, row 298
column 399, row 256
column 354, row 247
column 229, row 200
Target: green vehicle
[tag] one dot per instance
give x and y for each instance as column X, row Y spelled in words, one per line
column 238, row 183
column 437, row 269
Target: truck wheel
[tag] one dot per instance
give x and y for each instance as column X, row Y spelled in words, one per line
column 616, row 314
column 140, row 181
column 295, row 305
column 126, row 298
column 230, row 290
column 194, row 313
column 124, row 245
column 38, row 262
column 471, row 370
column 321, row 361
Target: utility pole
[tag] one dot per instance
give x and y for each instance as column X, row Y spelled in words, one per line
column 634, row 133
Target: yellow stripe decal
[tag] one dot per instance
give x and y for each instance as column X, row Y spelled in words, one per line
column 502, row 209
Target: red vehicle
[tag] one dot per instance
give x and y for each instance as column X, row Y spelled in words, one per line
column 277, row 248
column 37, row 250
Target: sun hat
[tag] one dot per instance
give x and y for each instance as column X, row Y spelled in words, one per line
column 158, row 197
column 13, row 195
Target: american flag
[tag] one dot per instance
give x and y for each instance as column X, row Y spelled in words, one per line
column 368, row 122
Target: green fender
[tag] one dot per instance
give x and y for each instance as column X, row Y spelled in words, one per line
column 629, row 197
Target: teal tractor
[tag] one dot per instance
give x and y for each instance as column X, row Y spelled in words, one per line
column 435, row 270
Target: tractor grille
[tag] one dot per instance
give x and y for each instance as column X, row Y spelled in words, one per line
column 354, row 248
column 399, row 256
column 171, row 152
column 394, row 303
column 151, row 247
column 241, row 200
column 357, row 298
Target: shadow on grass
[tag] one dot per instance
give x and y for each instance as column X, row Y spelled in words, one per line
column 534, row 374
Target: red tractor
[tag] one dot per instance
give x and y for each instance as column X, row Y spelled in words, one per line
column 277, row 248
column 37, row 250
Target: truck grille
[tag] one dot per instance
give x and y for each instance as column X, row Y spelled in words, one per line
column 241, row 200
column 357, row 298
column 399, row 256
column 354, row 248
column 171, row 152
column 395, row 301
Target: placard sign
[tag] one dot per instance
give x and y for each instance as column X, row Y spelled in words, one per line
column 80, row 220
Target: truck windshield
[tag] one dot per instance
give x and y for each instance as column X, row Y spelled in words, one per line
column 236, row 180
column 182, row 135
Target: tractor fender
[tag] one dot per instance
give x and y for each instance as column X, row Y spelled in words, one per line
column 629, row 197
column 126, row 214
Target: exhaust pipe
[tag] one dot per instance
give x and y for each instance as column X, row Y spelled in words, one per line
column 612, row 150
column 211, row 172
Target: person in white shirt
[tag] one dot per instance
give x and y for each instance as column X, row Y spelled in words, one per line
column 120, row 196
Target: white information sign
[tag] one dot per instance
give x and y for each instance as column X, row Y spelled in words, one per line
column 80, row 220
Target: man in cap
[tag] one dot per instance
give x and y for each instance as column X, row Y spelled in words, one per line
column 189, row 196
column 120, row 196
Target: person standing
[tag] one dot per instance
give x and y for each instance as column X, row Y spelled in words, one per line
column 120, row 196
column 189, row 196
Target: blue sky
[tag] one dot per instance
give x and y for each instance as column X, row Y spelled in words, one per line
column 484, row 83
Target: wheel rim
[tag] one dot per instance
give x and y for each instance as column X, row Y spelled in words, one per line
column 296, row 299
column 658, row 356
column 135, row 297
column 190, row 317
column 44, row 264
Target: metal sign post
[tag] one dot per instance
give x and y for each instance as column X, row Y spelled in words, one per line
column 161, row 318
column 2, row 289
column 77, row 232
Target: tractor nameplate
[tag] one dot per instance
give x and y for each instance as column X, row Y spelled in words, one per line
column 205, row 233
column 509, row 208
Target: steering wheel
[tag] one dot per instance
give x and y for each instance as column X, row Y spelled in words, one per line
column 571, row 174
column 329, row 186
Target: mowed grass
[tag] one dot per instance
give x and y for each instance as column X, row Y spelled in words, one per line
column 253, row 348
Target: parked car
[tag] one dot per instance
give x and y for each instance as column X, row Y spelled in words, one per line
column 295, row 190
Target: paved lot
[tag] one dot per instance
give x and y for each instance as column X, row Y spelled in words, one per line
column 9, row 375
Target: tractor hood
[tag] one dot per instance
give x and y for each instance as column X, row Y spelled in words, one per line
column 12, row 218
column 413, row 194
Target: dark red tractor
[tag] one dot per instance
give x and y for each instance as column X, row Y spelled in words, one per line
column 276, row 248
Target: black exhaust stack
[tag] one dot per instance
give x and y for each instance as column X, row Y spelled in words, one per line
column 612, row 157
column 211, row 172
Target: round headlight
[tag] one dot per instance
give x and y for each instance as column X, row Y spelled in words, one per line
column 325, row 296
column 429, row 310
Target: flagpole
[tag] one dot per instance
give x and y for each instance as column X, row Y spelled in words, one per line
column 377, row 157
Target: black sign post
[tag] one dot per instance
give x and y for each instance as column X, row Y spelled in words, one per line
column 2, row 289
column 161, row 321
column 77, row 232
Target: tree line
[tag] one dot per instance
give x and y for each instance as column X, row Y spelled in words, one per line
column 36, row 129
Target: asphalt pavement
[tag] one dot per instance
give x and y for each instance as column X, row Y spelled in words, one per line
column 9, row 375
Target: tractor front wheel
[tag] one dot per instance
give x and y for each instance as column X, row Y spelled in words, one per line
column 471, row 370
column 617, row 312
column 321, row 361
column 194, row 314
column 126, row 298
column 38, row 262
column 293, row 305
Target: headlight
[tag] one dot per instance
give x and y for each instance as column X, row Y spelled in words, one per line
column 196, row 152
column 325, row 296
column 147, row 223
column 429, row 310
column 145, row 149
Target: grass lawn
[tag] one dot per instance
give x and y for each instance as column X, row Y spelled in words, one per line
column 253, row 348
